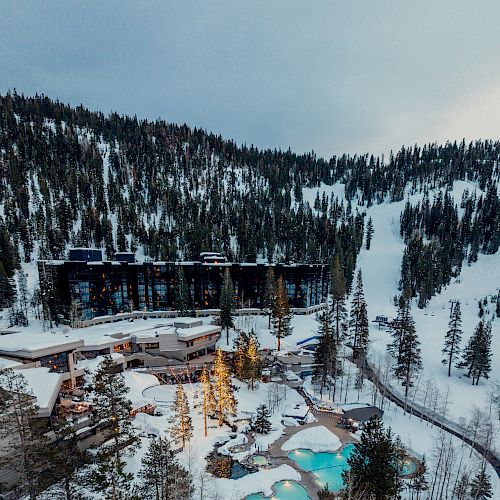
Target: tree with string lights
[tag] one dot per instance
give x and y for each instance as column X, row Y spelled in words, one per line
column 223, row 390
column 254, row 365
column 209, row 403
column 182, row 429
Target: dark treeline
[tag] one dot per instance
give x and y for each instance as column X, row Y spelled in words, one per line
column 439, row 239
column 70, row 176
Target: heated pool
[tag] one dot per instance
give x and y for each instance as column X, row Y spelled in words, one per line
column 259, row 460
column 327, row 467
column 284, row 490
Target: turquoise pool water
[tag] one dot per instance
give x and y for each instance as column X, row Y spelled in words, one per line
column 327, row 467
column 284, row 490
column 259, row 460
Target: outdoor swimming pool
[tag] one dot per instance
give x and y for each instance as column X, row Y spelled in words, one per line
column 284, row 490
column 259, row 460
column 327, row 467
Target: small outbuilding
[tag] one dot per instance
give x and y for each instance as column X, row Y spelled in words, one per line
column 357, row 417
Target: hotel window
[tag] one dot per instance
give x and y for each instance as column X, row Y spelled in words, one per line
column 56, row 362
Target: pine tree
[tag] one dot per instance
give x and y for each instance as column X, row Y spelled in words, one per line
column 270, row 293
column 375, row 464
column 161, row 476
column 453, row 337
column 253, row 362
column 121, row 241
column 419, row 482
column 65, row 458
column 480, row 486
column 182, row 430
column 223, row 390
column 369, row 233
column 282, row 315
column 24, row 447
column 358, row 322
column 261, row 423
column 209, row 402
column 407, row 347
column 182, row 302
column 22, row 285
column 240, row 345
column 111, row 409
column 325, row 354
column 338, row 293
column 470, row 353
column 482, row 359
column 227, row 304
column 7, row 290
column 399, row 326
column 477, row 355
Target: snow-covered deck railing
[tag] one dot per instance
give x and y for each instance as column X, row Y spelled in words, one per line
column 99, row 320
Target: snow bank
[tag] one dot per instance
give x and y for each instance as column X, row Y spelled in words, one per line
column 138, row 383
column 259, row 482
column 239, row 440
column 317, row 438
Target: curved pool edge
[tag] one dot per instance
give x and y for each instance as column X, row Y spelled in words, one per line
column 259, row 495
column 327, row 467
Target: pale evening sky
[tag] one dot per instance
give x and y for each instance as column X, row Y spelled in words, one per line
column 333, row 76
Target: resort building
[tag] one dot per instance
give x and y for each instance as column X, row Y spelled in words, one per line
column 69, row 352
column 108, row 287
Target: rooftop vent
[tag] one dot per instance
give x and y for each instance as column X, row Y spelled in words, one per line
column 125, row 257
column 85, row 254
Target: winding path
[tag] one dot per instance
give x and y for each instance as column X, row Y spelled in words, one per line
column 426, row 414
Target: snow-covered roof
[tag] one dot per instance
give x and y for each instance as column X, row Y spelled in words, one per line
column 317, row 439
column 354, row 406
column 26, row 343
column 45, row 386
column 92, row 364
column 8, row 363
column 197, row 331
column 184, row 322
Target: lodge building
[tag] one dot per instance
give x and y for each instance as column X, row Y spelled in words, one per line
column 116, row 286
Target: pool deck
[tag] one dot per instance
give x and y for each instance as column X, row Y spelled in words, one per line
column 277, row 456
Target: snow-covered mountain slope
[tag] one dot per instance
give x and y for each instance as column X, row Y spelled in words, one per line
column 381, row 272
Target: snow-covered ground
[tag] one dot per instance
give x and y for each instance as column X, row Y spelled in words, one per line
column 381, row 272
column 194, row 455
column 419, row 437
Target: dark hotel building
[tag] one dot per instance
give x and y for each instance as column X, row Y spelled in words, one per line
column 121, row 285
